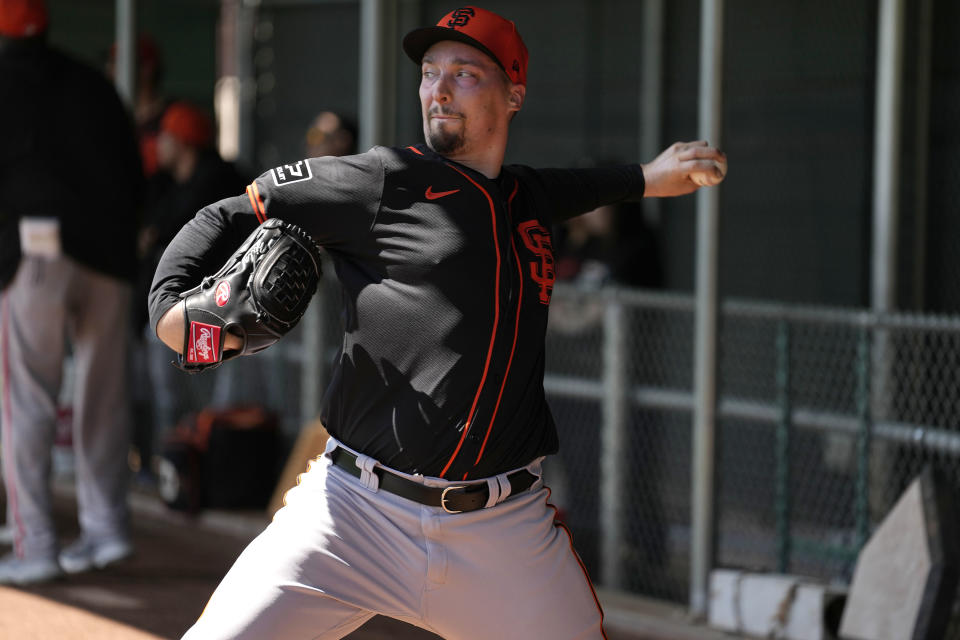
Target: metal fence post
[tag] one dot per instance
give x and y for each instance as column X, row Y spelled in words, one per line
column 784, row 427
column 703, row 483
column 862, row 500
column 886, row 151
column 613, row 442
column 378, row 24
column 125, row 66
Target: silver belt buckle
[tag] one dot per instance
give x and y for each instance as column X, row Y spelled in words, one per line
column 443, row 497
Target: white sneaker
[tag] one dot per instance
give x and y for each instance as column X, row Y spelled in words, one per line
column 86, row 554
column 22, row 571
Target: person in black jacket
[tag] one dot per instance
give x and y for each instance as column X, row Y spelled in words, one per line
column 428, row 504
column 70, row 191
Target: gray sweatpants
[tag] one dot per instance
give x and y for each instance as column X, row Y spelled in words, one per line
column 50, row 301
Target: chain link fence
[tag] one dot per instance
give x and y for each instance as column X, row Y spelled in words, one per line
column 824, row 417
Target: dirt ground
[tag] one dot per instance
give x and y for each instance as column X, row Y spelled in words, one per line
column 162, row 589
column 157, row 593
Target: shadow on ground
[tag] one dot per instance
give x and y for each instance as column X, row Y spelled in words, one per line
column 157, row 593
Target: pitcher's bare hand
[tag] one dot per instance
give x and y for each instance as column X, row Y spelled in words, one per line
column 684, row 167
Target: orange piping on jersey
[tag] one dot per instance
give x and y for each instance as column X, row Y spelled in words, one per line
column 516, row 331
column 496, row 316
column 259, row 209
column 557, row 523
column 415, row 150
column 253, row 203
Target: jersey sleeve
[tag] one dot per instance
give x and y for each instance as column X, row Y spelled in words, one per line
column 335, row 199
column 199, row 249
column 571, row 192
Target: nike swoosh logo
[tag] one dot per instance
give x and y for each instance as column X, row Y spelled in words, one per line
column 433, row 195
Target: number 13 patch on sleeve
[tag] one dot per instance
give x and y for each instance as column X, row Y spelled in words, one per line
column 290, row 173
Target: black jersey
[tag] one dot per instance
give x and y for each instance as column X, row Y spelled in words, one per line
column 446, row 276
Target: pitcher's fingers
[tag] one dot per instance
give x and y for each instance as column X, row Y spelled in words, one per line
column 693, row 144
column 693, row 153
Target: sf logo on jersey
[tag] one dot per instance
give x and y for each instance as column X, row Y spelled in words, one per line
column 537, row 239
column 290, row 173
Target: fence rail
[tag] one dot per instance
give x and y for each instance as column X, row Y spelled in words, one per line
column 928, row 436
column 824, row 415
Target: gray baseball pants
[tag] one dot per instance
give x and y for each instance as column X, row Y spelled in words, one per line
column 341, row 551
column 52, row 301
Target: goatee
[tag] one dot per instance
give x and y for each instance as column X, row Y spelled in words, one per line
column 445, row 142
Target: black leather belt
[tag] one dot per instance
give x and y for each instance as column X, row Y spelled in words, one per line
column 453, row 499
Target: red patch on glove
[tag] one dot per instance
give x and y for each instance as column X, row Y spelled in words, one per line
column 204, row 343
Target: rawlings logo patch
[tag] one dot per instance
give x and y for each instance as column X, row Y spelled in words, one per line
column 289, row 173
column 204, row 343
column 222, row 294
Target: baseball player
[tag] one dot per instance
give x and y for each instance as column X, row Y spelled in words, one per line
column 70, row 192
column 428, row 505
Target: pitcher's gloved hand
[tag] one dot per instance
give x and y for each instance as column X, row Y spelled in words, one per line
column 259, row 295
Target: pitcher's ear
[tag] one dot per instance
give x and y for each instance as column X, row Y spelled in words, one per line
column 517, row 93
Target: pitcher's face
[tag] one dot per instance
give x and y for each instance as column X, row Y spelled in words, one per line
column 465, row 98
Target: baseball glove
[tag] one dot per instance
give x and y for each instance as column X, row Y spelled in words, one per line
column 259, row 294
